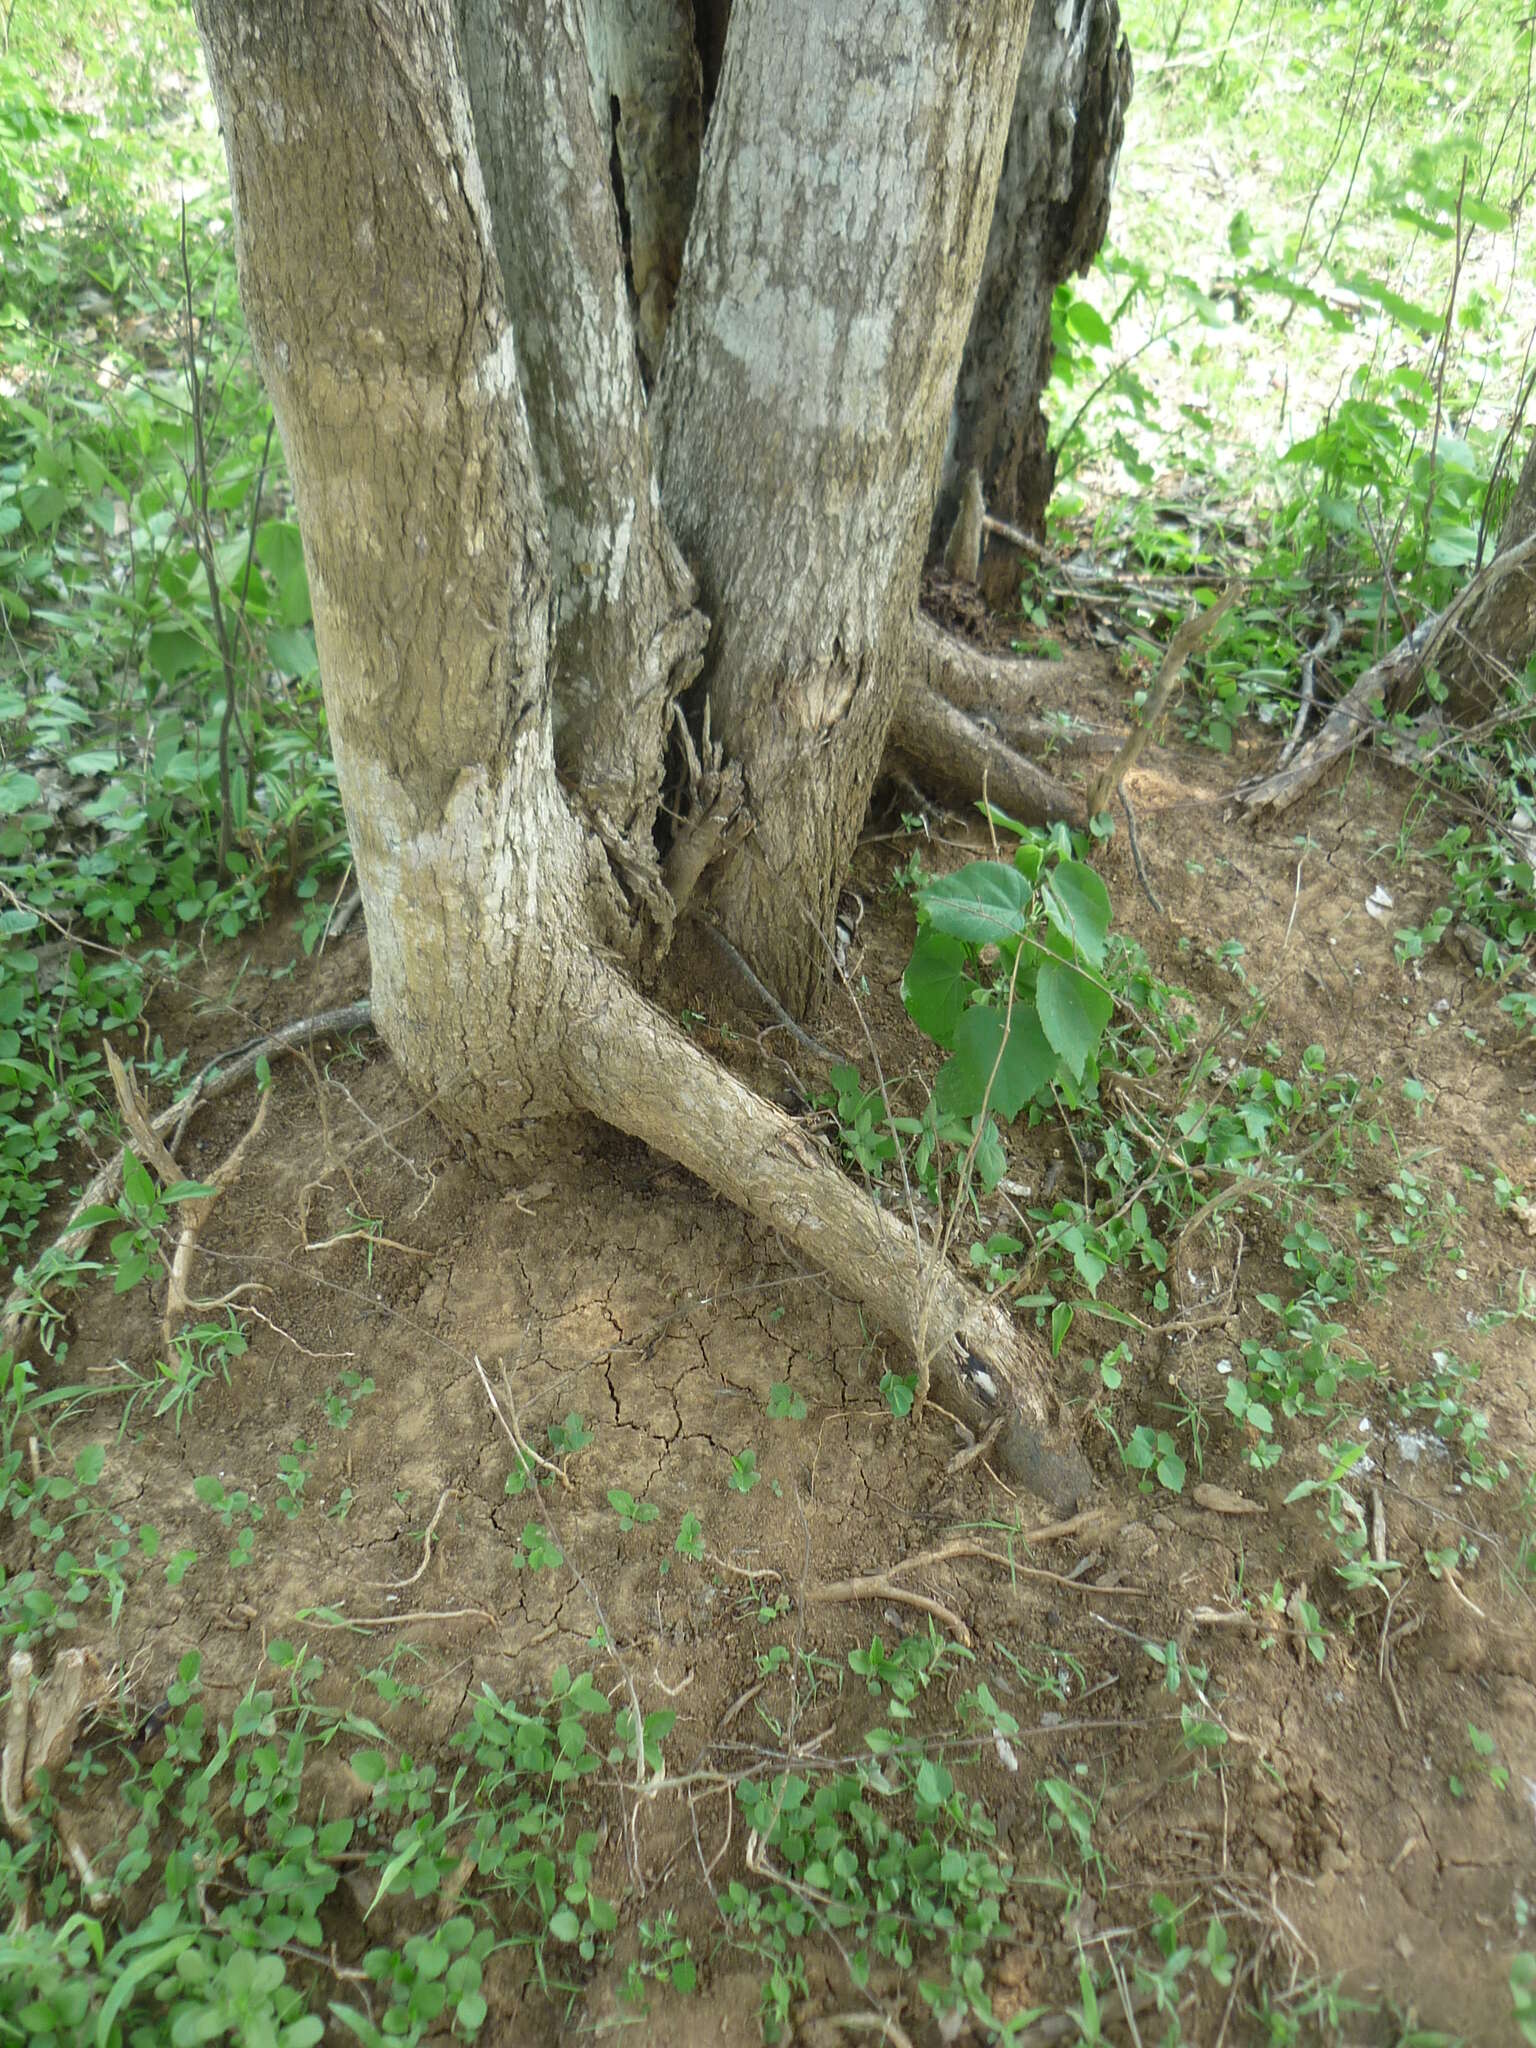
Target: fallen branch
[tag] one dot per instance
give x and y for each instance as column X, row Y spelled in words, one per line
column 1353, row 717
column 212, row 1080
column 1309, row 662
column 764, row 994
column 1196, row 627
column 195, row 1211
column 1016, row 537
column 1142, row 876
column 1390, row 681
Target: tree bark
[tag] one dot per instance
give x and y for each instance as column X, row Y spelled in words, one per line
column 990, row 686
column 628, row 639
column 806, row 383
column 1052, row 214
column 1496, row 636
column 399, row 389
column 968, row 761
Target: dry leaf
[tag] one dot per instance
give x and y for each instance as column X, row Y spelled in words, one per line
column 1221, row 1500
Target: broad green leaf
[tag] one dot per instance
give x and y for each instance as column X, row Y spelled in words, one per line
column 1074, row 1008
column 1453, row 548
column 1077, row 903
column 934, row 987
column 16, row 1073
column 17, row 791
column 229, row 559
column 281, row 553
column 1088, row 325
column 137, row 1184
column 173, row 652
column 1421, row 320
column 292, row 649
column 1027, row 1064
column 43, row 505
column 984, row 903
column 1001, row 819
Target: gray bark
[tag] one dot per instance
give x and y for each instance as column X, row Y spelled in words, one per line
column 382, row 323
column 842, row 216
column 1051, row 217
column 966, row 755
column 397, row 394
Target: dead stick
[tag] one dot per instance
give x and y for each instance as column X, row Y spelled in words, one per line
column 1183, row 644
column 875, row 1586
column 216, row 1078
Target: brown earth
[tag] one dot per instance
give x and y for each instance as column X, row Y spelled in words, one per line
column 610, row 1283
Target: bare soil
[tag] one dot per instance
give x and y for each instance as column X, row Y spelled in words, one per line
column 609, row 1282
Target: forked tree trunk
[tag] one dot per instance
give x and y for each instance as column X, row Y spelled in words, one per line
column 1050, row 221
column 394, row 308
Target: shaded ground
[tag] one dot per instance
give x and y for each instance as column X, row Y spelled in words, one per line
column 610, row 1284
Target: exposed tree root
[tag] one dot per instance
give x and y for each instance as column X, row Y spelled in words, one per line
column 961, row 755
column 958, row 752
column 991, row 684
column 194, row 1213
column 631, row 1066
column 882, row 1585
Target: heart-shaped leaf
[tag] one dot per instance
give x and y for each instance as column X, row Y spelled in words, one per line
column 1077, row 903
column 1074, row 1008
column 935, row 987
column 984, row 903
column 1027, row 1063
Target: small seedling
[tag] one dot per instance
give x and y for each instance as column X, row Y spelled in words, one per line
column 744, row 1473
column 632, row 1513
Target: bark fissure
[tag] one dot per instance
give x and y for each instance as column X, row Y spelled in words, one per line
column 627, row 636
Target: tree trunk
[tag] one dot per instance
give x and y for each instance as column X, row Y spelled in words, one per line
column 1051, row 217
column 841, row 221
column 396, row 294
column 1497, row 637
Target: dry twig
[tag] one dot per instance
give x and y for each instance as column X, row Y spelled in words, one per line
column 217, row 1078
column 1196, row 628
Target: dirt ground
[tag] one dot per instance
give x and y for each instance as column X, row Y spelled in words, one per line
column 609, row 1282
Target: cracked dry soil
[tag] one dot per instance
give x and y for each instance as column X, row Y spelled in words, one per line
column 611, row 1284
